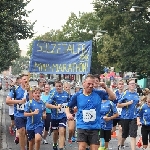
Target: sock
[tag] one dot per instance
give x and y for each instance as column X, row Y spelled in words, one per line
column 60, row 148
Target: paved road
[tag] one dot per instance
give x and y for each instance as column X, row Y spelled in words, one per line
column 7, row 139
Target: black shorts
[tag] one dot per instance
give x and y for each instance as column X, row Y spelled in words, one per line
column 12, row 117
column 129, row 127
column 106, row 134
column 56, row 123
column 47, row 121
column 145, row 131
column 116, row 121
column 88, row 136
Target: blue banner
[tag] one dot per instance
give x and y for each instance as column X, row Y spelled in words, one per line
column 61, row 57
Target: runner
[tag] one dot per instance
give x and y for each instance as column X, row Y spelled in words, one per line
column 108, row 112
column 119, row 92
column 57, row 103
column 128, row 103
column 88, row 103
column 19, row 104
column 45, row 97
column 71, row 123
column 144, row 120
column 35, row 111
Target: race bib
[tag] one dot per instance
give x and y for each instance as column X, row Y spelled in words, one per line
column 62, row 109
column 119, row 110
column 89, row 115
column 20, row 107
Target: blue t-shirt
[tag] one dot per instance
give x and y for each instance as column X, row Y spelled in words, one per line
column 130, row 111
column 36, row 120
column 58, row 98
column 144, row 114
column 118, row 96
column 88, row 114
column 45, row 99
column 108, row 108
column 18, row 108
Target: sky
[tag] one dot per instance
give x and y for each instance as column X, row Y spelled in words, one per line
column 52, row 14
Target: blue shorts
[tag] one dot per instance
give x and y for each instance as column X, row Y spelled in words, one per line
column 47, row 121
column 56, row 123
column 31, row 133
column 20, row 122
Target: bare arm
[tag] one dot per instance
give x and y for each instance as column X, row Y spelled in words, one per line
column 10, row 101
column 111, row 94
column 121, row 105
column 53, row 106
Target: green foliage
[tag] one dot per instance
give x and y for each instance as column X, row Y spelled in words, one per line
column 19, row 65
column 13, row 26
column 126, row 45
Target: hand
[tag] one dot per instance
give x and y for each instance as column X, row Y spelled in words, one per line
column 59, row 106
column 70, row 116
column 44, row 116
column 130, row 102
column 23, row 101
column 75, row 109
column 27, row 86
column 103, row 85
column 107, row 118
column 139, row 123
column 36, row 111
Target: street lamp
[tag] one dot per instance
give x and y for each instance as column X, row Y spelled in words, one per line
column 136, row 8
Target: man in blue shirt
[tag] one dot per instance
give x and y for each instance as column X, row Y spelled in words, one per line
column 129, row 103
column 88, row 103
column 58, row 102
column 19, row 105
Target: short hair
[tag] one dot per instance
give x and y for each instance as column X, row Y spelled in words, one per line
column 89, row 76
column 59, row 82
column 35, row 89
column 120, row 81
column 131, row 79
column 97, row 76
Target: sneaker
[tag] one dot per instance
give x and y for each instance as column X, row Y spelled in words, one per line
column 11, row 131
column 73, row 139
column 45, row 142
column 70, row 142
column 16, row 140
column 55, row 147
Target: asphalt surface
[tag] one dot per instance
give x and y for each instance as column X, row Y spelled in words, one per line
column 7, row 140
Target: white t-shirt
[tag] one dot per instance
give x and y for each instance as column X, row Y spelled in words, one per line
column 11, row 110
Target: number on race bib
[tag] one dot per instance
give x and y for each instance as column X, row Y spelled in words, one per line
column 119, row 110
column 62, row 109
column 20, row 107
column 89, row 115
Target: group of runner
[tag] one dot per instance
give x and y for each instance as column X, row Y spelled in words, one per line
column 93, row 112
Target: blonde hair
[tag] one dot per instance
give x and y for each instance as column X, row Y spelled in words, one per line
column 35, row 89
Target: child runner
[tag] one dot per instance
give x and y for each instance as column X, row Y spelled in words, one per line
column 108, row 113
column 143, row 118
column 35, row 111
column 45, row 97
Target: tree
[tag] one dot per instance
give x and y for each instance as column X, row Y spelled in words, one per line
column 13, row 26
column 19, row 65
column 126, row 45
